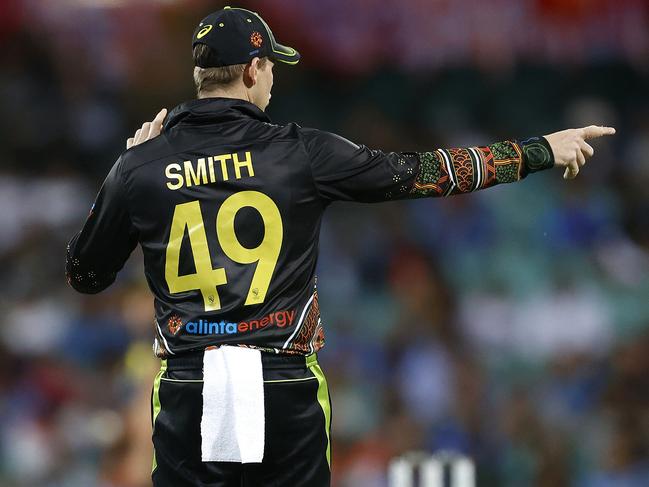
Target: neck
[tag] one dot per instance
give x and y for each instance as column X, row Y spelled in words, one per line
column 237, row 93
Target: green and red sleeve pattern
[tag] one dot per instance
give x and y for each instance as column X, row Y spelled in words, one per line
column 343, row 170
column 446, row 172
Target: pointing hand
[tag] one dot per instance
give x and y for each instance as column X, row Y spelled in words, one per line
column 570, row 148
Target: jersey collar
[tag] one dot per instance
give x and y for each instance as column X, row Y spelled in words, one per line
column 214, row 110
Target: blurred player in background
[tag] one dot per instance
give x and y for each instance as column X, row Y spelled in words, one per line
column 227, row 208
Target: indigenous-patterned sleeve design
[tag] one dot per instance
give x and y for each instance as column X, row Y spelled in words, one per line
column 445, row 172
column 343, row 170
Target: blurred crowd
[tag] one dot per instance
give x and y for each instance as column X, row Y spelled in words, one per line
column 511, row 325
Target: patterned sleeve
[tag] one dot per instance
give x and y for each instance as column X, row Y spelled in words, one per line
column 343, row 170
column 446, row 172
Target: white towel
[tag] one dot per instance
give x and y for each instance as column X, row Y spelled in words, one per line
column 232, row 426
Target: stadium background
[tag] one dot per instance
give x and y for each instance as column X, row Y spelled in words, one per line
column 511, row 325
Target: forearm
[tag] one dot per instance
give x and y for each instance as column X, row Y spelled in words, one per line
column 445, row 172
column 97, row 253
column 84, row 272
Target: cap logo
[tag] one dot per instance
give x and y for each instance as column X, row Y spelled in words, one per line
column 255, row 39
column 203, row 32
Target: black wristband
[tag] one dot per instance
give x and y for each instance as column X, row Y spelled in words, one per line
column 537, row 154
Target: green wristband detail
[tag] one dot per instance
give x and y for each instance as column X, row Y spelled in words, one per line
column 538, row 154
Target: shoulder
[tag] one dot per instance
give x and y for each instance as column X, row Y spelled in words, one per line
column 293, row 130
column 149, row 151
column 323, row 142
column 260, row 130
column 316, row 135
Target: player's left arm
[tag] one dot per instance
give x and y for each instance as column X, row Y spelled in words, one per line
column 98, row 252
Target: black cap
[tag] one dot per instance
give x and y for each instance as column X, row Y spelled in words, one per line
column 237, row 35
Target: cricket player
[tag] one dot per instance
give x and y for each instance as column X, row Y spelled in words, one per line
column 227, row 206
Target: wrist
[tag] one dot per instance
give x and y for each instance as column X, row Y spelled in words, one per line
column 537, row 154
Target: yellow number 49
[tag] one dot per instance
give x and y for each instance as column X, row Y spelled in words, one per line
column 206, row 279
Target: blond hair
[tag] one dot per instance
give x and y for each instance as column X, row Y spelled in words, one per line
column 210, row 79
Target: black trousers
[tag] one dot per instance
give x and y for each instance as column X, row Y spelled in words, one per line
column 297, row 438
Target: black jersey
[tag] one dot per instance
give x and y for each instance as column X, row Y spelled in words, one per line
column 227, row 208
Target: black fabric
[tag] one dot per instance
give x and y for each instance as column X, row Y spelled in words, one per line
column 538, row 154
column 300, row 170
column 235, row 36
column 295, row 436
column 108, row 231
column 197, row 165
column 270, row 361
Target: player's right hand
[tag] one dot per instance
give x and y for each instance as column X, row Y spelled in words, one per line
column 570, row 148
column 148, row 131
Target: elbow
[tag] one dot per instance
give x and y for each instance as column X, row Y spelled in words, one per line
column 83, row 277
column 89, row 282
column 85, row 289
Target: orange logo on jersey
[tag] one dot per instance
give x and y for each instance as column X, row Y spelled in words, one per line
column 174, row 324
column 255, row 39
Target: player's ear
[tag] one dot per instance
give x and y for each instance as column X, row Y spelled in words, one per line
column 251, row 72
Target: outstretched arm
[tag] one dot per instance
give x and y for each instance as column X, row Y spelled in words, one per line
column 343, row 170
column 446, row 172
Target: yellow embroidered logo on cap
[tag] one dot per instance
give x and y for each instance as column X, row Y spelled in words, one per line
column 203, row 32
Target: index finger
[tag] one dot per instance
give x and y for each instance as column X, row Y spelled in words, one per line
column 159, row 118
column 594, row 131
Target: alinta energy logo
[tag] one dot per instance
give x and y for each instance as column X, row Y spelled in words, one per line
column 279, row 319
